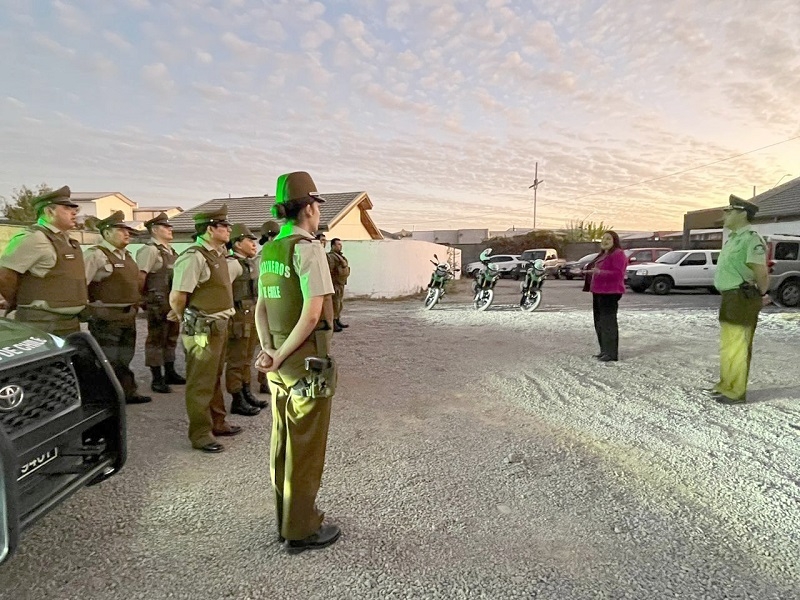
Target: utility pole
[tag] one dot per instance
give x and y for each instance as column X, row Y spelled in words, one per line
column 535, row 186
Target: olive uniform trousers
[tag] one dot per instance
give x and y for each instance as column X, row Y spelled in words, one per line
column 116, row 335
column 162, row 336
column 738, row 317
column 338, row 300
column 54, row 323
column 242, row 344
column 205, row 404
column 298, row 443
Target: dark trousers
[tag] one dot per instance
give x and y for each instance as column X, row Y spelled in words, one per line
column 605, row 308
column 162, row 336
column 117, row 338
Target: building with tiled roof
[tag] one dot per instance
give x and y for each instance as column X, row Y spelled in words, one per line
column 778, row 212
column 343, row 215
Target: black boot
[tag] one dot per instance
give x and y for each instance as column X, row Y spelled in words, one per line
column 337, row 327
column 239, row 406
column 252, row 400
column 340, row 324
column 263, row 388
column 159, row 385
column 171, row 376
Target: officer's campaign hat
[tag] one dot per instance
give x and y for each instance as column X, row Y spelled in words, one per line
column 217, row 216
column 296, row 186
column 737, row 203
column 59, row 196
column 240, row 231
column 269, row 230
column 117, row 219
column 160, row 219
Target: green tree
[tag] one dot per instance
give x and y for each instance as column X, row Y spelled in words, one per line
column 19, row 207
column 583, row 231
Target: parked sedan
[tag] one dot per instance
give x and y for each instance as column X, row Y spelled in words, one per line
column 574, row 269
column 505, row 263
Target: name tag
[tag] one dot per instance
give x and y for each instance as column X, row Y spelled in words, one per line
column 69, row 256
column 119, row 265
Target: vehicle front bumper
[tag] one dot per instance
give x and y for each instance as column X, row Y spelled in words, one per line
column 633, row 280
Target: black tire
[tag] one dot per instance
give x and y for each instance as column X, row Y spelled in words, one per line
column 662, row 285
column 789, row 293
column 569, row 276
column 638, row 289
column 712, row 290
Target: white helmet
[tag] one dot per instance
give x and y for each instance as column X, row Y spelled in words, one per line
column 538, row 267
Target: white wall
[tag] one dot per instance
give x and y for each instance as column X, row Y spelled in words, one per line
column 381, row 268
column 392, row 268
column 785, row 228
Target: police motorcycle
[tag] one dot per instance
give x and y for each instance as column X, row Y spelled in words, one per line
column 441, row 275
column 484, row 283
column 531, row 286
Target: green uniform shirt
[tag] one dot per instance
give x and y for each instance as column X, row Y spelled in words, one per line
column 743, row 246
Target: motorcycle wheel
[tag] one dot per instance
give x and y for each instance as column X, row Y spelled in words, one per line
column 483, row 299
column 432, row 298
column 530, row 302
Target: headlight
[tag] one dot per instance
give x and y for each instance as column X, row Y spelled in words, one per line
column 641, row 272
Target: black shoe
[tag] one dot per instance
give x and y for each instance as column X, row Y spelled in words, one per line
column 598, row 355
column 212, row 448
column 337, row 327
column 263, row 388
column 342, row 325
column 159, row 385
column 137, row 399
column 229, row 431
column 324, row 537
column 171, row 376
column 239, row 406
column 252, row 400
column 722, row 399
column 606, row 358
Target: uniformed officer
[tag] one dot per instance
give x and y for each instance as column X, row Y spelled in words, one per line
column 269, row 229
column 242, row 337
column 294, row 286
column 41, row 270
column 114, row 297
column 742, row 278
column 340, row 271
column 202, row 299
column 156, row 260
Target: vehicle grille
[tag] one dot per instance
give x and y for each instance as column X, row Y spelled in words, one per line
column 50, row 388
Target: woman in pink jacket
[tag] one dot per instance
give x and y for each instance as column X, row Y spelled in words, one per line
column 607, row 286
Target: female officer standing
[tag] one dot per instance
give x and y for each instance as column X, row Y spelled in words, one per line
column 293, row 319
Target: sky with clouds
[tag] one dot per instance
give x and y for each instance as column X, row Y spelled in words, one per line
column 439, row 109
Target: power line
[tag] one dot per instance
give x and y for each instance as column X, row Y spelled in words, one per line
column 630, row 185
column 716, row 162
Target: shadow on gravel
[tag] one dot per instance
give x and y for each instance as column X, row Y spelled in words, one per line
column 765, row 395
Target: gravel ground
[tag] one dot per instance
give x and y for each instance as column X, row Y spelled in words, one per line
column 472, row 455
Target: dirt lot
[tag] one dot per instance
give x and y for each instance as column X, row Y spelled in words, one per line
column 472, row 455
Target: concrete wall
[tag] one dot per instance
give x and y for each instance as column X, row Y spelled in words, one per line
column 392, row 268
column 382, row 268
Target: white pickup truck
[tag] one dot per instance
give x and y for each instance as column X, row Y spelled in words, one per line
column 681, row 269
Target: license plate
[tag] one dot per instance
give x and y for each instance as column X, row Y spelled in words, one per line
column 37, row 463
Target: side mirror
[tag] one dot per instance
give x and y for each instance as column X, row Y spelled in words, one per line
column 632, row 259
column 436, row 257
